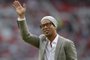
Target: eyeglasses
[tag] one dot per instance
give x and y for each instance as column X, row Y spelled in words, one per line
column 47, row 24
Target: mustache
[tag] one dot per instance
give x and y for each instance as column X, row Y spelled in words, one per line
column 45, row 29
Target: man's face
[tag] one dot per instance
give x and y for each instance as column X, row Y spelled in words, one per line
column 47, row 27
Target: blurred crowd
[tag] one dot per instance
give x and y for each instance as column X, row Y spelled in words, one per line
column 73, row 23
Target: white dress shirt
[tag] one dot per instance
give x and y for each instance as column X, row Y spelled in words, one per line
column 50, row 49
column 21, row 19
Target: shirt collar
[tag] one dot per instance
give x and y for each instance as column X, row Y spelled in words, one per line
column 54, row 42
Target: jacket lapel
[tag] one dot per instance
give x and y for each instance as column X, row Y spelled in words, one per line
column 43, row 49
column 59, row 44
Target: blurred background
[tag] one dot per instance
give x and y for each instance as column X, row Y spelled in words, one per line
column 73, row 17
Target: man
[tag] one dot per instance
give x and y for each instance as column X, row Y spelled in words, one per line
column 51, row 45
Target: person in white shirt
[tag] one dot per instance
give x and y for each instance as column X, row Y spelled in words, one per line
column 51, row 45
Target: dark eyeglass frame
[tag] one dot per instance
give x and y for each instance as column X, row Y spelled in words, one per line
column 47, row 24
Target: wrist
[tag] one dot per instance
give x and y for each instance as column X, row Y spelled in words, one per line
column 21, row 16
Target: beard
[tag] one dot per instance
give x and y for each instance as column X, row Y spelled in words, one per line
column 47, row 33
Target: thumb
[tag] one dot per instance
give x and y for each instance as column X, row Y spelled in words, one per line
column 24, row 5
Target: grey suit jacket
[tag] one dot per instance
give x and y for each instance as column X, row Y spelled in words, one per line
column 65, row 49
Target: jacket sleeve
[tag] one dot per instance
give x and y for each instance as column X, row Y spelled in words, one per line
column 26, row 35
column 70, row 51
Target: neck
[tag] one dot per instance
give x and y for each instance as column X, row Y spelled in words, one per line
column 52, row 37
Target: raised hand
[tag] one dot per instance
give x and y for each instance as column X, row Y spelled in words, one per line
column 19, row 8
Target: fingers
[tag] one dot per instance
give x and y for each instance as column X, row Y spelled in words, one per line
column 16, row 4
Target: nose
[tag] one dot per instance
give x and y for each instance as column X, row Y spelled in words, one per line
column 45, row 26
